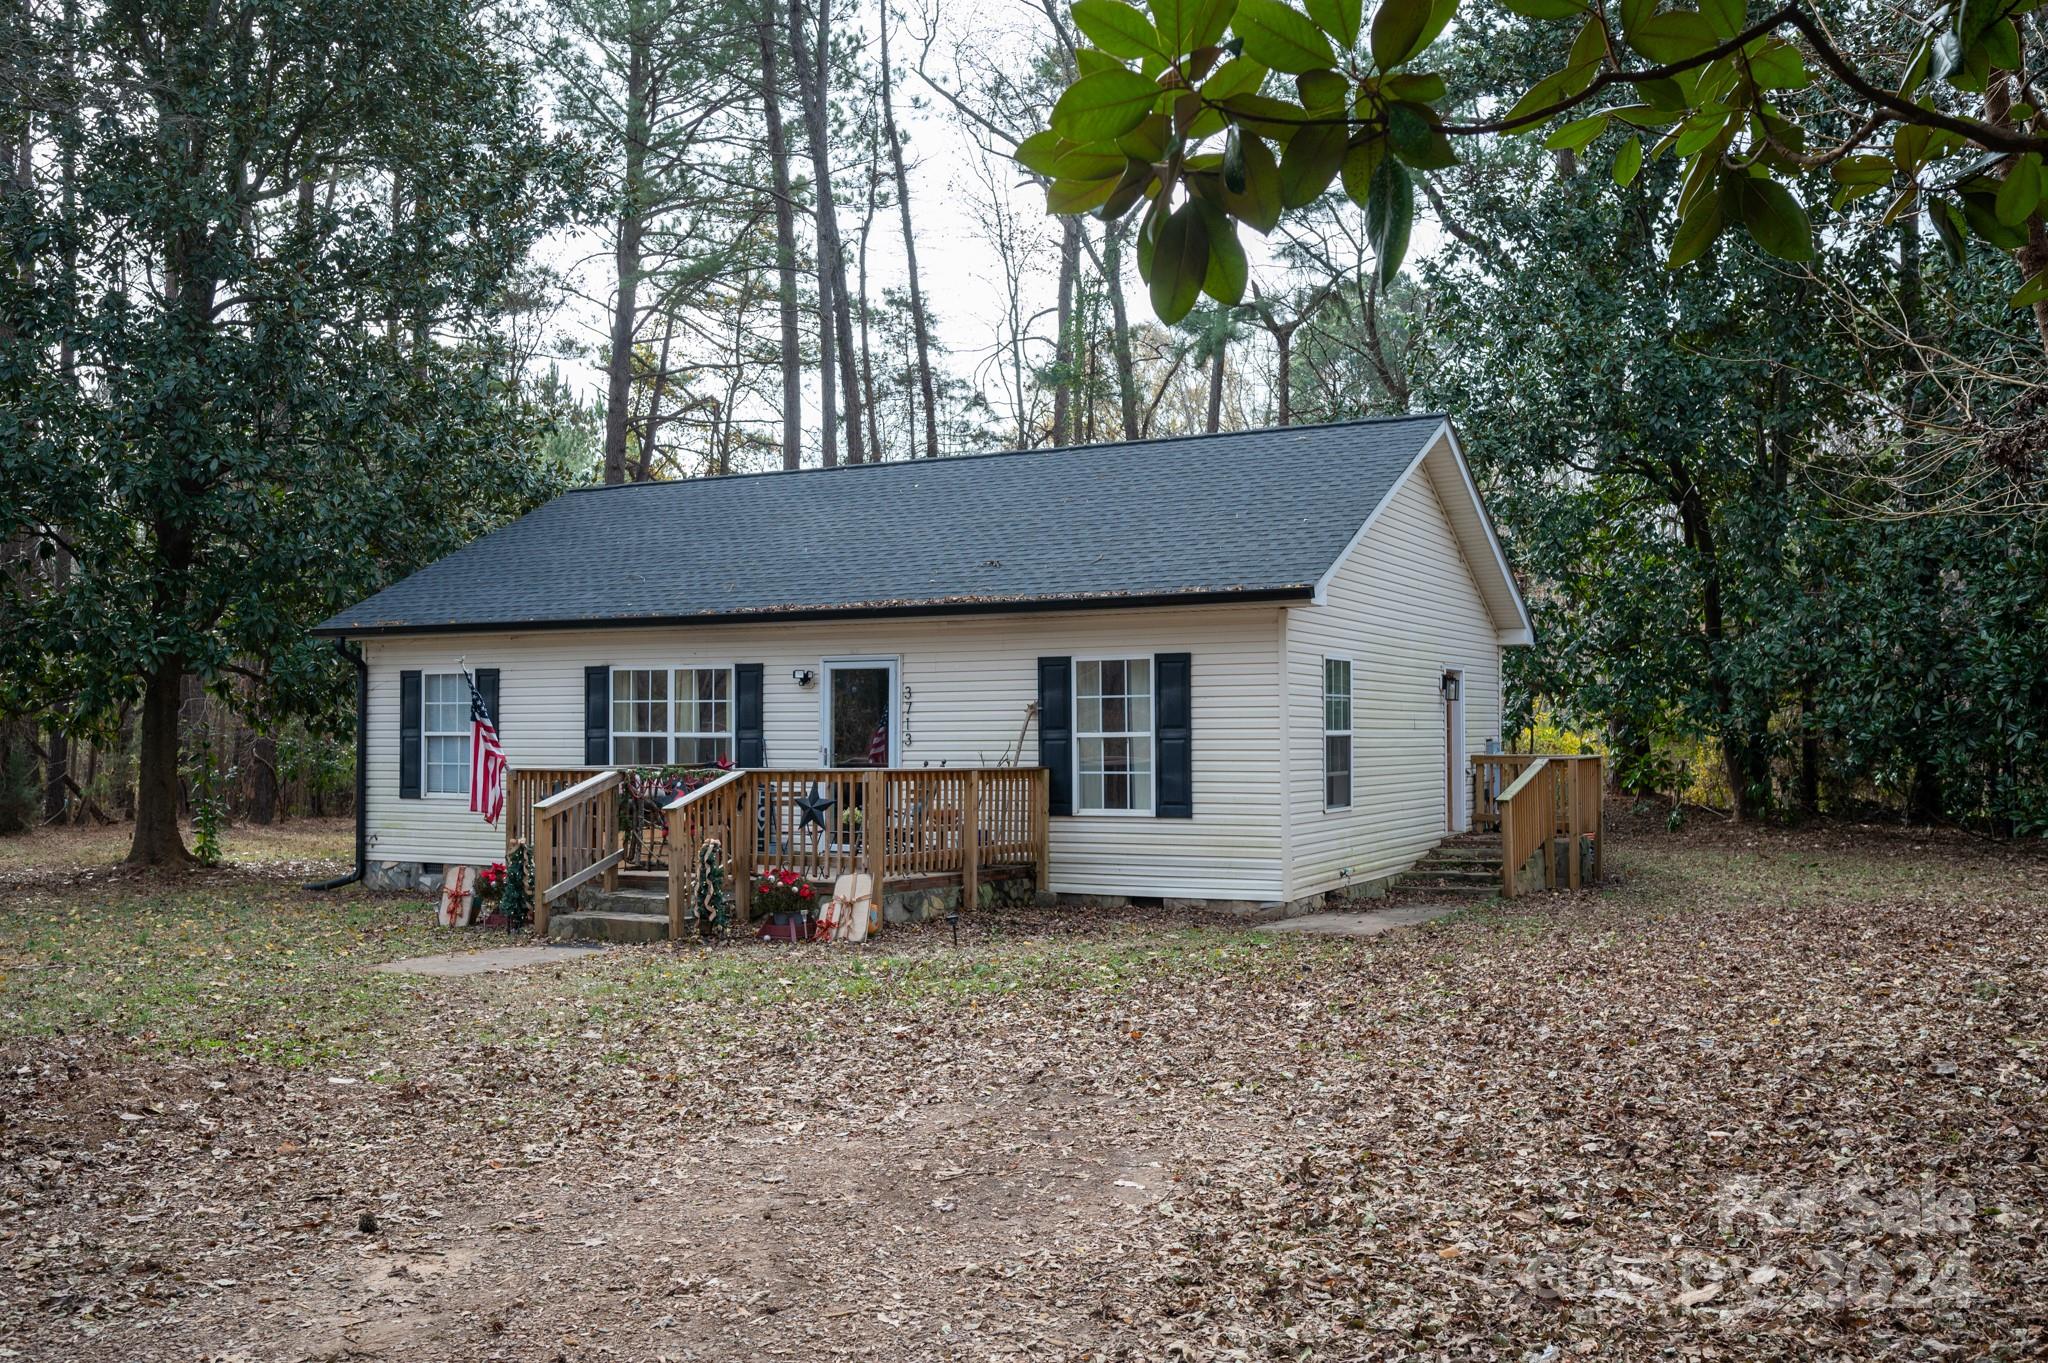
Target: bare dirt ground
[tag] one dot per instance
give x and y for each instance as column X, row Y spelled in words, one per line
column 1770, row 1095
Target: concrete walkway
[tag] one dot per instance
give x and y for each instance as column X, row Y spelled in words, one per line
column 1363, row 922
column 455, row 964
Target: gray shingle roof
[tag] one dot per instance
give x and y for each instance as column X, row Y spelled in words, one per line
column 1244, row 515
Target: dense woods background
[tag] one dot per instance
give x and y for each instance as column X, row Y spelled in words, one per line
column 299, row 297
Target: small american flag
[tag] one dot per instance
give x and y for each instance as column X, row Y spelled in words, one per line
column 486, row 759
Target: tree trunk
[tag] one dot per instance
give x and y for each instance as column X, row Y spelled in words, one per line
column 920, row 325
column 785, row 243
column 813, row 71
column 626, row 258
column 157, row 839
column 1120, row 338
column 1284, row 380
column 1063, row 349
column 867, row 359
column 263, row 780
column 1216, row 386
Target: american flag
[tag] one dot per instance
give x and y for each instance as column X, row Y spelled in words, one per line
column 486, row 759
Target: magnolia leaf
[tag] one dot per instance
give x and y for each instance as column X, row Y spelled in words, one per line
column 1148, row 140
column 1775, row 219
column 1862, row 170
column 1322, row 90
column 1575, row 135
column 1415, row 137
column 1117, row 29
column 1664, row 93
column 2031, row 292
column 1696, row 231
column 1338, row 18
column 1946, row 57
column 1038, row 151
column 1390, row 215
column 2020, row 192
column 1425, row 87
column 1238, row 76
column 2001, row 45
column 1282, row 37
column 1077, row 196
column 1724, row 16
column 1396, row 30
column 1180, row 262
column 1781, row 67
column 1311, row 162
column 1628, row 162
column 1670, row 36
column 1271, row 118
column 1258, row 204
column 1228, row 270
column 1980, row 210
column 1359, row 164
column 1105, row 105
column 1948, row 225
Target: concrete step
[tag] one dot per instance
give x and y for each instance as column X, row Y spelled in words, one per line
column 625, row 899
column 1411, row 893
column 1437, row 875
column 1437, row 861
column 605, row 926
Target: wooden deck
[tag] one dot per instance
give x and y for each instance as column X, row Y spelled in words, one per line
column 1538, row 801
column 897, row 825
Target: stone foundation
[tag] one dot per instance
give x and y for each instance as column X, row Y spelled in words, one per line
column 924, row 903
column 403, row 876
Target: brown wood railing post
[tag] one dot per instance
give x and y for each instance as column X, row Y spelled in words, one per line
column 678, row 878
column 1508, row 868
column 543, row 869
column 1041, row 832
column 608, row 840
column 1572, row 829
column 874, row 827
column 746, row 797
column 970, row 841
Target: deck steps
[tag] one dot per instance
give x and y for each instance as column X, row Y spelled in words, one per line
column 1462, row 866
column 628, row 914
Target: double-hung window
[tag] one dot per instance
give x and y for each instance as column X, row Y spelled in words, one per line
column 444, row 732
column 671, row 716
column 1113, row 735
column 1336, row 733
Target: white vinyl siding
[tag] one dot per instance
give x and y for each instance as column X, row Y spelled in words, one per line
column 1336, row 733
column 444, row 732
column 1113, row 736
column 1406, row 607
column 969, row 680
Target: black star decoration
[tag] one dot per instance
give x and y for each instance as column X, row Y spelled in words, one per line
column 815, row 806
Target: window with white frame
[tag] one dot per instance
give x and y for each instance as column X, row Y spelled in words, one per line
column 703, row 715
column 1113, row 735
column 671, row 716
column 1336, row 733
column 444, row 732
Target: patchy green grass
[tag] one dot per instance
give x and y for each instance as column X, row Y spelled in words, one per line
column 235, row 965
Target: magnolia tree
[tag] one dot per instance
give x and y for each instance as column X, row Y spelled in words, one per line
column 1208, row 114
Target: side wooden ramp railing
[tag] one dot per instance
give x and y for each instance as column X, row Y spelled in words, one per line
column 895, row 825
column 1546, row 804
column 575, row 841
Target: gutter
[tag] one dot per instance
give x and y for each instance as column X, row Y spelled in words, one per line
column 355, row 655
column 954, row 606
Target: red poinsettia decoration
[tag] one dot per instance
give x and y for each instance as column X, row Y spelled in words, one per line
column 490, row 882
column 780, row 890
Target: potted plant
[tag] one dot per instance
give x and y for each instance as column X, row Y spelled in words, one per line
column 788, row 900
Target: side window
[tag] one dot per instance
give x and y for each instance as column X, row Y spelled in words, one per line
column 1113, row 736
column 1336, row 733
column 444, row 732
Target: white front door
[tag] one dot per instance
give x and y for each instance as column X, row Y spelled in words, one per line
column 857, row 712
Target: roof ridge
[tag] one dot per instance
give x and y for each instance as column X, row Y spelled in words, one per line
column 1388, row 420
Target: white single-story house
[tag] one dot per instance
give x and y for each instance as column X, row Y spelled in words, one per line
column 1253, row 664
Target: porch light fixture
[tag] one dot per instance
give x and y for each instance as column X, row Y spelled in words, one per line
column 803, row 676
column 1450, row 689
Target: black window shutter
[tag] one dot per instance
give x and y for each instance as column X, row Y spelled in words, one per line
column 749, row 746
column 1174, row 725
column 1056, row 730
column 597, row 716
column 408, row 735
column 487, row 687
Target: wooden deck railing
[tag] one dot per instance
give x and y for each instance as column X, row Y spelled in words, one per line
column 1535, row 799
column 575, row 840
column 892, row 824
